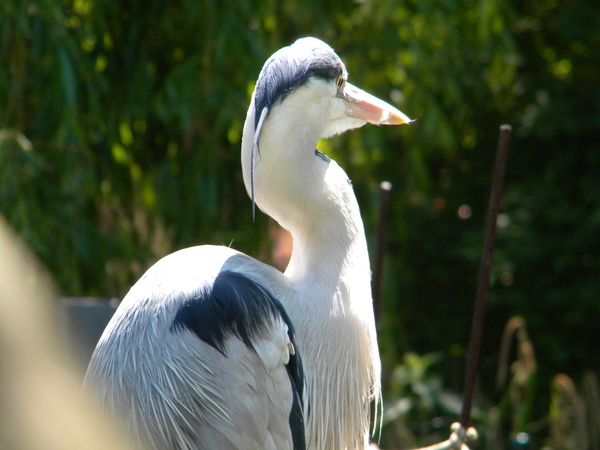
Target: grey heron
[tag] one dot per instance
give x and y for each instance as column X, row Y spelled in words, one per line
column 212, row 349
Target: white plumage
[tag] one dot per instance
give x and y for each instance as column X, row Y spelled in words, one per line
column 212, row 349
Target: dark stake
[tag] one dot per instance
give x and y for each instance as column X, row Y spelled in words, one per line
column 384, row 212
column 483, row 283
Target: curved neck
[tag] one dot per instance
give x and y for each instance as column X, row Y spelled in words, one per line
column 329, row 272
column 332, row 249
column 310, row 196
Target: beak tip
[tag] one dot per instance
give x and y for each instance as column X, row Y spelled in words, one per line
column 364, row 106
column 397, row 118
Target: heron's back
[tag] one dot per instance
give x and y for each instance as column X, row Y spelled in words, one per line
column 198, row 357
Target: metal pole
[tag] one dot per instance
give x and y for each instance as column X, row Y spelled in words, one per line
column 384, row 212
column 483, row 283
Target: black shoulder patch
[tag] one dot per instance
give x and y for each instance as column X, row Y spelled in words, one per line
column 237, row 305
column 234, row 304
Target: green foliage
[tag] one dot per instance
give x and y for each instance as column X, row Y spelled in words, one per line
column 417, row 406
column 120, row 126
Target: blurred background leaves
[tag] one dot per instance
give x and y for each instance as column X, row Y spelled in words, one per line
column 120, row 127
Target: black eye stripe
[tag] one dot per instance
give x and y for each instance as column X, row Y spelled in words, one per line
column 284, row 72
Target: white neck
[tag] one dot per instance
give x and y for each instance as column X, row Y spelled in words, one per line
column 329, row 269
column 331, row 248
column 309, row 196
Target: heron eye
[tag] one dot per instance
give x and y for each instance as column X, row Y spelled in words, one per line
column 340, row 82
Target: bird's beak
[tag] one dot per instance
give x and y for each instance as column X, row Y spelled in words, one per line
column 362, row 105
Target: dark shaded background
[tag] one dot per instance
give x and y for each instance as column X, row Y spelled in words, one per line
column 120, row 127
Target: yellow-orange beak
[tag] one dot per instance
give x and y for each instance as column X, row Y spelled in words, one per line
column 362, row 105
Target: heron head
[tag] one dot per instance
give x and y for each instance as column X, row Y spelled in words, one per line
column 312, row 68
column 306, row 85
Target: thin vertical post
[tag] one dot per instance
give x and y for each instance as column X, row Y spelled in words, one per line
column 483, row 283
column 384, row 212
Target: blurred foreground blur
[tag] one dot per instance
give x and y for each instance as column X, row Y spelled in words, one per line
column 41, row 403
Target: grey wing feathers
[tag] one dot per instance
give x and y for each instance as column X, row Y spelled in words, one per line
column 213, row 368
